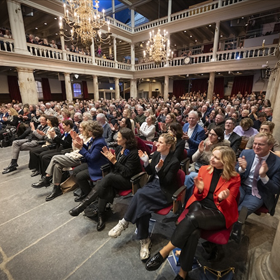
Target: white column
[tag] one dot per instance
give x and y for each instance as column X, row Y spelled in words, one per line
column 92, row 50
column 132, row 56
column 211, row 83
column 115, row 52
column 68, row 87
column 113, row 9
column 63, row 46
column 27, row 86
column 166, row 88
column 273, row 90
column 95, row 88
column 132, row 20
column 216, row 41
column 220, row 4
column 17, row 27
column 133, row 88
column 117, row 88
column 167, row 57
column 169, row 10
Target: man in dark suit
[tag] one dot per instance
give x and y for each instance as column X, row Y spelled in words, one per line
column 260, row 175
column 193, row 133
column 230, row 135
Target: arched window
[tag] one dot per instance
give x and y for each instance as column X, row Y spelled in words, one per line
column 39, row 90
column 77, row 90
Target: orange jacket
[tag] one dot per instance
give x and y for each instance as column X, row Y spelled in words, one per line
column 228, row 206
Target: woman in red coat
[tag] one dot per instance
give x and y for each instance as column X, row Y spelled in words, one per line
column 212, row 206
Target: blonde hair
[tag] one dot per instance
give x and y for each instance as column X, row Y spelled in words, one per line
column 13, row 112
column 228, row 159
column 169, row 139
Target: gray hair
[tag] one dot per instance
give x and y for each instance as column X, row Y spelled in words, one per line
column 101, row 116
column 194, row 113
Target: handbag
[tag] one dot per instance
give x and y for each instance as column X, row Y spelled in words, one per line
column 212, row 274
column 69, row 184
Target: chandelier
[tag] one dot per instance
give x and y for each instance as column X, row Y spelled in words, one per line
column 85, row 21
column 158, row 47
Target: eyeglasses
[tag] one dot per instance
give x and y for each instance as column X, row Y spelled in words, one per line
column 212, row 134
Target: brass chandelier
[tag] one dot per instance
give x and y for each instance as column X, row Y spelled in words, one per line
column 158, row 47
column 85, row 22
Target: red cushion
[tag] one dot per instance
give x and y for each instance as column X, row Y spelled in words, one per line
column 125, row 192
column 215, row 236
column 262, row 209
column 165, row 210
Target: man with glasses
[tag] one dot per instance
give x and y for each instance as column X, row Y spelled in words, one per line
column 230, row 135
column 259, row 170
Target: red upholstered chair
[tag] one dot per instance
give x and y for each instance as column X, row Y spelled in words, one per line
column 178, row 196
column 215, row 236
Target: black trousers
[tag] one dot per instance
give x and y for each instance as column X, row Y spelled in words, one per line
column 82, row 178
column 187, row 233
column 107, row 188
column 34, row 159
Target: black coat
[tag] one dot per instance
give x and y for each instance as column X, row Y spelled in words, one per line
column 66, row 143
column 167, row 174
column 127, row 165
column 235, row 141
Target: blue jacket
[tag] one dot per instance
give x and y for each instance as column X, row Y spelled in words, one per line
column 197, row 136
column 94, row 158
column 268, row 191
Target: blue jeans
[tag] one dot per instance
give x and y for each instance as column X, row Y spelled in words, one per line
column 189, row 183
column 252, row 203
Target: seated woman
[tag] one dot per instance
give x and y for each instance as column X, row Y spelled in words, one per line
column 61, row 143
column 170, row 118
column 58, row 162
column 147, row 129
column 177, row 131
column 203, row 155
column 124, row 164
column 212, row 206
column 90, row 169
column 124, row 122
column 245, row 129
column 10, row 121
column 155, row 195
column 34, row 159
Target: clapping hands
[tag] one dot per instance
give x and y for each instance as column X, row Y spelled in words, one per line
column 223, row 194
column 108, row 154
column 198, row 182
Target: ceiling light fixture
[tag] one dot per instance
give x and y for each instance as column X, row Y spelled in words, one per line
column 158, row 47
column 85, row 21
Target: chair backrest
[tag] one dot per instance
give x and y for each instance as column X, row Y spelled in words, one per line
column 180, row 178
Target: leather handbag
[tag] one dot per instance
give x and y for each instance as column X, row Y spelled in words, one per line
column 69, row 184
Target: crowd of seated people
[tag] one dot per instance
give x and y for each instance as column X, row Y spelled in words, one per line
column 78, row 134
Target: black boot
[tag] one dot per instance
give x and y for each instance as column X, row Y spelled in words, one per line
column 13, row 163
column 84, row 204
column 101, row 222
column 44, row 182
column 55, row 192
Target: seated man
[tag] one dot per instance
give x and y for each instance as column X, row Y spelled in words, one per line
column 193, row 133
column 260, row 175
column 28, row 143
column 231, row 136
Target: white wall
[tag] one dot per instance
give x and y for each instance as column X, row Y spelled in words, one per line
column 146, row 86
column 55, row 86
column 4, row 84
column 254, row 42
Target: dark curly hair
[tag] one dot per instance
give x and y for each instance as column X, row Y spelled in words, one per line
column 128, row 135
column 53, row 120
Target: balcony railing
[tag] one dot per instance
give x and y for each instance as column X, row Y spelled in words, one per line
column 237, row 54
column 43, row 51
column 6, row 45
